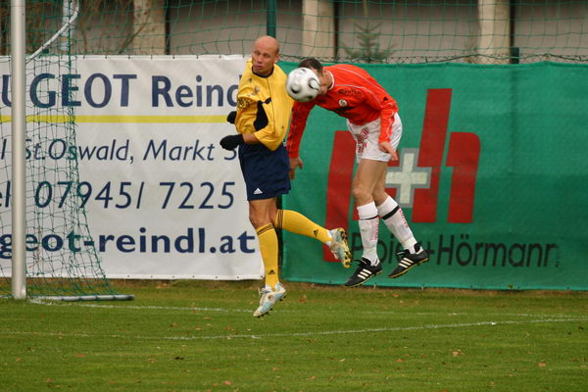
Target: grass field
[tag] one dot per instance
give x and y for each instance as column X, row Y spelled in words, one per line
column 201, row 336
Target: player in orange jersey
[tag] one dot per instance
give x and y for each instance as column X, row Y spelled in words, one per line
column 373, row 120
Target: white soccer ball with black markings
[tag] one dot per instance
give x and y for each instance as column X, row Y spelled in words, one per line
column 302, row 85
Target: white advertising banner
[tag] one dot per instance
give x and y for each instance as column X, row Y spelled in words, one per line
column 163, row 199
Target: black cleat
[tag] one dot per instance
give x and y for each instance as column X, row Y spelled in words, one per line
column 407, row 260
column 364, row 272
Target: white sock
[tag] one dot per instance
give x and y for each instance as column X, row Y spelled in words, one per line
column 394, row 219
column 368, row 228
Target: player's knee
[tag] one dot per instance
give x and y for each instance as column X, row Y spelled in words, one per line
column 258, row 220
column 277, row 219
column 360, row 195
column 380, row 196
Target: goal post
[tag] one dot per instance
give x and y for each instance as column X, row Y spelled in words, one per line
column 27, row 269
column 17, row 34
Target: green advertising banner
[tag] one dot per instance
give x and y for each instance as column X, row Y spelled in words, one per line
column 492, row 178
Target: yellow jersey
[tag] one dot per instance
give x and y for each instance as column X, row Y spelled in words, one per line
column 257, row 93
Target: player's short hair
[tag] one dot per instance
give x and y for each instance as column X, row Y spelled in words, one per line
column 311, row 62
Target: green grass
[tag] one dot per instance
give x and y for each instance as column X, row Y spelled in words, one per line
column 201, row 336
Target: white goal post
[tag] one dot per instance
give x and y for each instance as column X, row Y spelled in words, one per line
column 18, row 74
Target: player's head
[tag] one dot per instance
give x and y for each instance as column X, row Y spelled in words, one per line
column 315, row 65
column 312, row 63
column 264, row 54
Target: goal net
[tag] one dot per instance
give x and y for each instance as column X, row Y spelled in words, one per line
column 61, row 259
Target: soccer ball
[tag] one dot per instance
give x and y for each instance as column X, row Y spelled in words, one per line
column 302, row 85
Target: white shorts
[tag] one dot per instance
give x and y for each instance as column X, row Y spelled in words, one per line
column 366, row 139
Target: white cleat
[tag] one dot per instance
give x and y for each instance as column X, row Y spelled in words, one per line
column 268, row 299
column 339, row 246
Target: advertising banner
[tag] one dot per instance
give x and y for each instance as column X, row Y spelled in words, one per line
column 162, row 199
column 491, row 173
column 490, row 177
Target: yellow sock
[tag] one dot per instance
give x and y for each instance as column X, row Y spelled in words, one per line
column 297, row 223
column 268, row 245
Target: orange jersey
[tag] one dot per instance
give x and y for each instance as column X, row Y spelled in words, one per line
column 355, row 95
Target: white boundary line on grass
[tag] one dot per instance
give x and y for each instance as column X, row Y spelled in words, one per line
column 304, row 334
column 372, row 330
column 135, row 307
column 225, row 310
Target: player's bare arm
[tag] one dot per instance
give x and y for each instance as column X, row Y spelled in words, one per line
column 295, row 163
column 387, row 147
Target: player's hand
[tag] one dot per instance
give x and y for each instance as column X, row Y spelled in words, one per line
column 387, row 147
column 231, row 117
column 294, row 164
column 232, row 141
column 261, row 119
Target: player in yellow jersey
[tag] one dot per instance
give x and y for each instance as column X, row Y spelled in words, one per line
column 262, row 119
